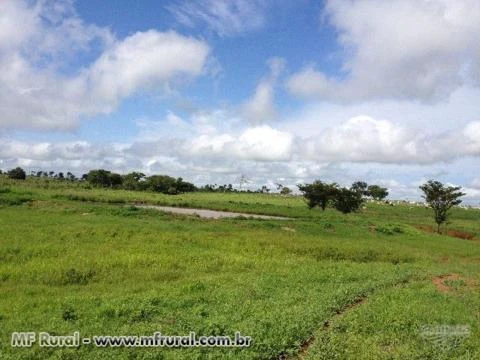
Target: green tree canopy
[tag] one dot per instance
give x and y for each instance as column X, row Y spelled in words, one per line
column 348, row 200
column 318, row 193
column 377, row 192
column 441, row 198
column 360, row 187
column 18, row 174
column 104, row 178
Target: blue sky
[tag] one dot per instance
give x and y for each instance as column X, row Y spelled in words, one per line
column 280, row 91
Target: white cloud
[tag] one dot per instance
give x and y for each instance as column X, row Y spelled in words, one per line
column 142, row 61
column 365, row 139
column 260, row 108
column 475, row 183
column 37, row 92
column 261, row 143
column 403, row 49
column 362, row 139
column 224, row 17
column 309, row 83
column 217, row 136
column 264, row 143
column 266, row 155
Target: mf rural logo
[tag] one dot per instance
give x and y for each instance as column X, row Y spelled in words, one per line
column 446, row 337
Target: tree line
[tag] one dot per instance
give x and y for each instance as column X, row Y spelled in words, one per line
column 343, row 199
column 108, row 179
column 135, row 181
column 439, row 197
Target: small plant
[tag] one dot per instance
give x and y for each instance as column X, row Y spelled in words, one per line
column 75, row 277
column 328, row 226
column 389, row 229
column 69, row 314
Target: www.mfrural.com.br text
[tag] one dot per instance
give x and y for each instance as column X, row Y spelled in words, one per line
column 157, row 339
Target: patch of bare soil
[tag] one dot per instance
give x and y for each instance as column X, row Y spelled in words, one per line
column 465, row 235
column 442, row 282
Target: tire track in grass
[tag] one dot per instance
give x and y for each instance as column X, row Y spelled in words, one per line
column 326, row 325
column 359, row 300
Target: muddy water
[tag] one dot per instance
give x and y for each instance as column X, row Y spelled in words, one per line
column 210, row 214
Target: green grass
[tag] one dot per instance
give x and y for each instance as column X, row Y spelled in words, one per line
column 79, row 259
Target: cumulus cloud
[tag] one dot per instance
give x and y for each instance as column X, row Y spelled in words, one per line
column 362, row 139
column 265, row 154
column 357, row 140
column 224, row 17
column 365, row 139
column 261, row 143
column 260, row 108
column 142, row 61
column 403, row 49
column 40, row 89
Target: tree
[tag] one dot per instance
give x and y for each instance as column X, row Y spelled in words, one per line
column 285, row 191
column 103, row 178
column 348, row 200
column 98, row 177
column 377, row 192
column 318, row 193
column 18, row 174
column 70, row 176
column 184, row 186
column 441, row 199
column 133, row 181
column 161, row 183
column 115, row 180
column 264, row 189
column 360, row 187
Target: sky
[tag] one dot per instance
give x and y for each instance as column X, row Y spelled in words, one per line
column 282, row 91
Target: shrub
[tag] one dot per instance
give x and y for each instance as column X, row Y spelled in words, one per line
column 18, row 174
column 347, row 201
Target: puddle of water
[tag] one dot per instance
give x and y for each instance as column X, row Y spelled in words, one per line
column 210, row 214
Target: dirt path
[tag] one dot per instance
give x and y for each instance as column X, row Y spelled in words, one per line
column 210, row 214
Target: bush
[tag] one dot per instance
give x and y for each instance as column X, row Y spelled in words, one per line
column 18, row 174
column 347, row 201
column 319, row 193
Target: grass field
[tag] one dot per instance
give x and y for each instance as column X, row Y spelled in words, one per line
column 320, row 286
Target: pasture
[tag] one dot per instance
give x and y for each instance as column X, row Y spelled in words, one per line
column 322, row 285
